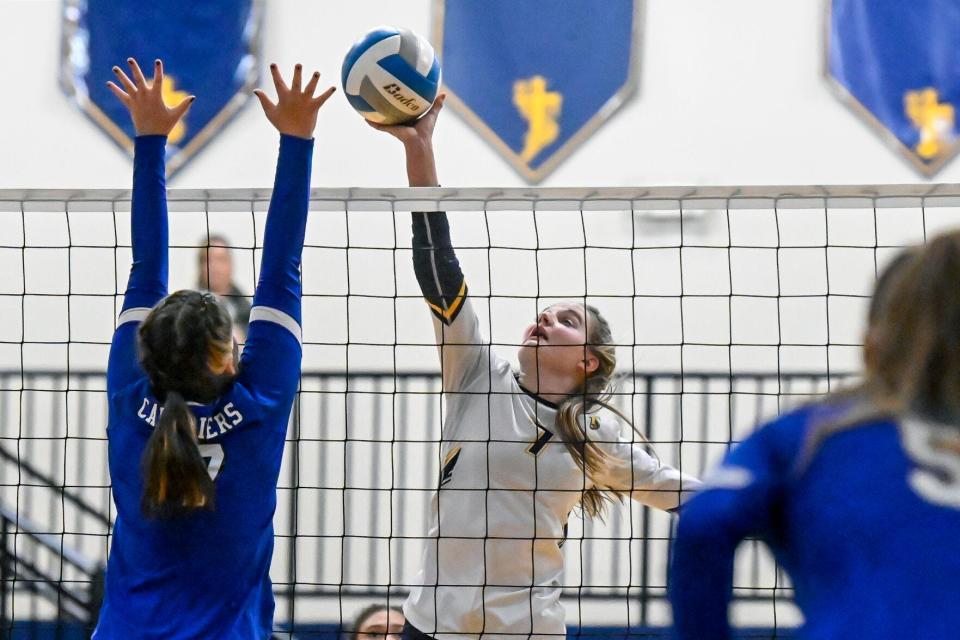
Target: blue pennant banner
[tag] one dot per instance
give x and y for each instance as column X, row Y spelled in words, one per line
column 897, row 63
column 209, row 49
column 537, row 78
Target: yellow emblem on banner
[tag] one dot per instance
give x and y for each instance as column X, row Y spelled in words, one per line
column 934, row 120
column 541, row 109
column 172, row 97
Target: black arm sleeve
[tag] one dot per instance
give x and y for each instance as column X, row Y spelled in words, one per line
column 436, row 266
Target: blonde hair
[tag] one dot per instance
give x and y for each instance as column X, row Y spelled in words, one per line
column 912, row 355
column 595, row 393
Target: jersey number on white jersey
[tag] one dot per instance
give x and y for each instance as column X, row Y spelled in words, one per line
column 446, row 474
column 541, row 442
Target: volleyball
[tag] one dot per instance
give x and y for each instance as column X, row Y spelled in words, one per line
column 391, row 75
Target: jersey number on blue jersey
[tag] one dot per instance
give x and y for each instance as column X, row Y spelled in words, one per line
column 212, row 455
column 937, row 476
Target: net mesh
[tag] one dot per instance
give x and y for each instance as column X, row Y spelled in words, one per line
column 727, row 306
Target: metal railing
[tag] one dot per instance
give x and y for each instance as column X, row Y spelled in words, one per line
column 72, row 583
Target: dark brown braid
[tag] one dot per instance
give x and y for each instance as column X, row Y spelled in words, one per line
column 178, row 340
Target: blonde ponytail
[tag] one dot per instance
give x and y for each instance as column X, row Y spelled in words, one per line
column 573, row 412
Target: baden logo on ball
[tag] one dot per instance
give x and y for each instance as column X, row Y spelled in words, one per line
column 391, row 75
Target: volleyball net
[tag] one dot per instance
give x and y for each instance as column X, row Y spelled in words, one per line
column 727, row 306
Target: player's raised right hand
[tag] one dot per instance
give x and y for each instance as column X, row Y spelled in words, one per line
column 144, row 100
column 417, row 139
column 420, row 131
column 295, row 113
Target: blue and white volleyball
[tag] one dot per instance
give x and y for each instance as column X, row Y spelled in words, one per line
column 391, row 75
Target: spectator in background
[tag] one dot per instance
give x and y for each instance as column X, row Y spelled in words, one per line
column 377, row 622
column 215, row 274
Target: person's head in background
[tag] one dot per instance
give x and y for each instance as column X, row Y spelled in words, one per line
column 378, row 621
column 880, row 302
column 215, row 266
column 914, row 365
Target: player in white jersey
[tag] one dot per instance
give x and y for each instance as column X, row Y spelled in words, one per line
column 520, row 450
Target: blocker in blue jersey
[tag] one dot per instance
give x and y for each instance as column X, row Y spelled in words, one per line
column 858, row 496
column 195, row 563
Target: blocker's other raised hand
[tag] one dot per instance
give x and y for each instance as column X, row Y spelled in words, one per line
column 295, row 113
column 144, row 100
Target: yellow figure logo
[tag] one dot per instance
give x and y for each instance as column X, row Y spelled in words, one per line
column 934, row 120
column 541, row 108
column 172, row 97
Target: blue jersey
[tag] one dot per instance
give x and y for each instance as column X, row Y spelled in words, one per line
column 866, row 525
column 205, row 575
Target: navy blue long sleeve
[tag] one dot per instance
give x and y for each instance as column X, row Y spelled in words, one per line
column 147, row 283
column 436, row 266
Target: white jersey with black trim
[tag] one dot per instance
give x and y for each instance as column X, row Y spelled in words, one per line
column 493, row 564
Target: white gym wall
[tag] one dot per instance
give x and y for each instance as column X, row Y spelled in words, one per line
column 730, row 93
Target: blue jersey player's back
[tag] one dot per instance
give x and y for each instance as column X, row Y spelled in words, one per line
column 866, row 531
column 195, row 563
column 858, row 496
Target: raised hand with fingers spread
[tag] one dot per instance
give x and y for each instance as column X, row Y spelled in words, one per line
column 295, row 113
column 151, row 116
